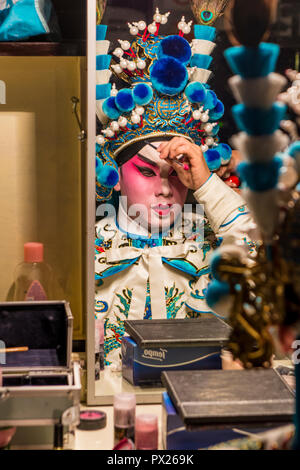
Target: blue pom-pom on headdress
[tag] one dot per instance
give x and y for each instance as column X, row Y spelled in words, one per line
column 257, row 121
column 204, row 32
column 202, row 61
column 195, row 92
column 225, row 152
column 216, row 291
column 213, row 159
column 142, row 94
column 253, row 62
column 175, row 46
column 124, row 100
column 260, row 176
column 217, row 112
column 103, row 91
column 168, row 76
column 103, row 61
column 107, row 175
column 110, row 109
column 210, row 100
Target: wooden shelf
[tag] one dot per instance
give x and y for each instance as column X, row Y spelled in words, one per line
column 43, row 48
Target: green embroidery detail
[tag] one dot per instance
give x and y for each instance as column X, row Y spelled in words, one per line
column 113, row 332
column 173, row 296
column 206, row 247
column 125, row 301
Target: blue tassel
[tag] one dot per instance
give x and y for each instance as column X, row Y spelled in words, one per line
column 216, row 291
column 175, row 46
column 213, row 159
column 211, row 100
column 225, row 153
column 101, row 30
column 202, row 61
column 257, row 121
column 103, row 91
column 217, row 112
column 110, row 109
column 294, row 149
column 124, row 100
column 103, row 61
column 195, row 92
column 260, row 176
column 168, row 76
column 142, row 94
column 253, row 62
column 204, row 32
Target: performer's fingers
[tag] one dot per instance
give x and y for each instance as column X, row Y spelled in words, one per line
column 168, row 148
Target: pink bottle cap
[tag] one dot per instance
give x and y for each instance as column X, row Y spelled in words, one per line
column 146, row 432
column 33, row 252
column 124, row 409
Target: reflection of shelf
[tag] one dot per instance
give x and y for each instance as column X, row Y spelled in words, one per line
column 111, row 383
column 42, row 48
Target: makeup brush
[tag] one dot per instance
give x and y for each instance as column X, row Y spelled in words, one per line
column 19, row 349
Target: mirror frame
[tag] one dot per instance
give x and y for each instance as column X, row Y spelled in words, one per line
column 90, row 211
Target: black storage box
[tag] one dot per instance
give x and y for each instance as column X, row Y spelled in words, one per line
column 158, row 345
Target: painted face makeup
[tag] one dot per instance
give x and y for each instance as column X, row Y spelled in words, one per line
column 153, row 188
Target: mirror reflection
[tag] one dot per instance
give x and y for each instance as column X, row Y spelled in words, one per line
column 166, row 187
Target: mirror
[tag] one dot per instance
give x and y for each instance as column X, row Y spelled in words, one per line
column 152, row 239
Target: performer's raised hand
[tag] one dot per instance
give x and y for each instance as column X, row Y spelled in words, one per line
column 187, row 160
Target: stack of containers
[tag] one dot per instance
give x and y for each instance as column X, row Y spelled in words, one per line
column 103, row 74
column 258, row 116
column 202, row 47
column 269, row 166
column 106, row 177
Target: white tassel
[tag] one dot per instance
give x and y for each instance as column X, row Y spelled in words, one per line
column 102, row 47
column 257, row 92
column 262, row 148
column 265, row 210
column 202, row 46
column 200, row 75
column 100, row 114
column 102, row 76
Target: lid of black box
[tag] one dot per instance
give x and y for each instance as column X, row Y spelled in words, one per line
column 229, row 396
column 44, row 327
column 205, row 331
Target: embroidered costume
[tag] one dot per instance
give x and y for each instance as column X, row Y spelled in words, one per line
column 172, row 271
column 139, row 276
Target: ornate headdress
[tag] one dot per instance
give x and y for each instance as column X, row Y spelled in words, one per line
column 168, row 95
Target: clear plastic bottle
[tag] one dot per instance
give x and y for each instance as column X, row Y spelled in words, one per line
column 33, row 277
